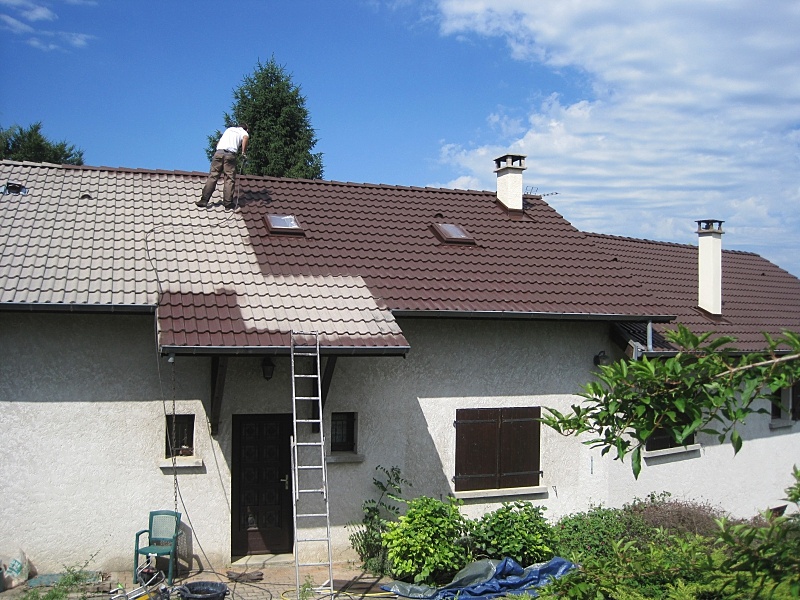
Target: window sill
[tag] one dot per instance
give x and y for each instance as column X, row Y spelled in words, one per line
column 499, row 493
column 181, row 462
column 671, row 451
column 344, row 457
column 780, row 423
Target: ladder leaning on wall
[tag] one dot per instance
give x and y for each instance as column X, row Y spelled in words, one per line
column 310, row 476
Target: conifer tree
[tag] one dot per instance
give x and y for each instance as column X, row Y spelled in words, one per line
column 281, row 137
column 19, row 143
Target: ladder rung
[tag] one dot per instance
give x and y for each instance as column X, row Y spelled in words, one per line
column 314, row 564
column 317, row 491
column 314, row 375
column 308, row 443
column 311, row 515
column 302, row 467
column 306, row 397
column 309, row 421
column 313, row 540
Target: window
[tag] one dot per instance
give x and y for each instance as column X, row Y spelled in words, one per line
column 789, row 407
column 453, row 234
column 497, row 448
column 184, row 436
column 662, row 440
column 283, row 224
column 343, row 432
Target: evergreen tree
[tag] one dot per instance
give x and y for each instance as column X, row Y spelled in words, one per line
column 18, row 143
column 281, row 136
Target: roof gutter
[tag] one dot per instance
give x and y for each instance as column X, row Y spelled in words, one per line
column 281, row 350
column 142, row 309
column 541, row 316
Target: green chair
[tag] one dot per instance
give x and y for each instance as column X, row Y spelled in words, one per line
column 162, row 540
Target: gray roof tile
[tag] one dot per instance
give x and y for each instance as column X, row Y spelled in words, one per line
column 88, row 236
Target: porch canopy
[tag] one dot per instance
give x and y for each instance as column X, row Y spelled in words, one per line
column 257, row 317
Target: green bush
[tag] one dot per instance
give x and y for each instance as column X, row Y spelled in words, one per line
column 517, row 530
column 428, row 544
column 366, row 537
column 591, row 533
column 680, row 567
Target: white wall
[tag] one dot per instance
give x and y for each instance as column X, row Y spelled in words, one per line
column 83, row 398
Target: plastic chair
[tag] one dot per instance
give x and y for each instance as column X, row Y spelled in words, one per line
column 162, row 539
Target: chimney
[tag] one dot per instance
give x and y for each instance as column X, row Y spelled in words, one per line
column 709, row 266
column 509, row 170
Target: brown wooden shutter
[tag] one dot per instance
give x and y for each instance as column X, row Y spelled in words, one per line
column 519, row 446
column 477, row 448
column 497, row 448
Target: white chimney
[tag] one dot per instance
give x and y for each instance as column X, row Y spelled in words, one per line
column 509, row 170
column 709, row 266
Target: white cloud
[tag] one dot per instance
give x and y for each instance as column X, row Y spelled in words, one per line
column 30, row 11
column 42, row 39
column 694, row 113
column 14, row 25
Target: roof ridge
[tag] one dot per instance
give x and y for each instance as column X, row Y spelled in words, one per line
column 661, row 242
column 48, row 165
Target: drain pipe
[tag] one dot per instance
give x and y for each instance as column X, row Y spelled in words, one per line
column 649, row 336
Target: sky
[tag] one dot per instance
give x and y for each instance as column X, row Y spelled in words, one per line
column 637, row 118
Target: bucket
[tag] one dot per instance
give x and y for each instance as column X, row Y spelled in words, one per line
column 203, row 590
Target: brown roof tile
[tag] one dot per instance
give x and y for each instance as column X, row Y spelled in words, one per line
column 122, row 237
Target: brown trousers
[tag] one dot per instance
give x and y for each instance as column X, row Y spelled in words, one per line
column 222, row 163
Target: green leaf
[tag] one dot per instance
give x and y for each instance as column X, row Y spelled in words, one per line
column 736, row 440
column 636, row 461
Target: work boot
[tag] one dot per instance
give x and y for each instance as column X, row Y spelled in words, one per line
column 201, row 203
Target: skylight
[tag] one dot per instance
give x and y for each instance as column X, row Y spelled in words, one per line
column 283, row 224
column 452, row 234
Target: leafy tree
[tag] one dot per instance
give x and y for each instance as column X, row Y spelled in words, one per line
column 18, row 143
column 281, row 136
column 707, row 386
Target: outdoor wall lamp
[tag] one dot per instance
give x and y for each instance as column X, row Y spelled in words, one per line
column 267, row 368
column 601, row 359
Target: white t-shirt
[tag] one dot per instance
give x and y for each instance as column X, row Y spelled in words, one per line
column 231, row 139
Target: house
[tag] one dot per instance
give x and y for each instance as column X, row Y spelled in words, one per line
column 127, row 313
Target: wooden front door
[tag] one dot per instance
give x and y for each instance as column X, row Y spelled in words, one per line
column 261, row 486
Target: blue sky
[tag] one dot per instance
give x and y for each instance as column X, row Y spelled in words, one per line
column 643, row 117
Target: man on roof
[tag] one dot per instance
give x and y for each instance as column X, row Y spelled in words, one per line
column 224, row 163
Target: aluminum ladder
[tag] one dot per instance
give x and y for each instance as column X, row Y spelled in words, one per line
column 309, row 471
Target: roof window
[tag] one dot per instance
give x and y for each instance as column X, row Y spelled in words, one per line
column 283, row 224
column 452, row 234
column 14, row 187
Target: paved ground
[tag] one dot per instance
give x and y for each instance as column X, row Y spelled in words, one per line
column 278, row 582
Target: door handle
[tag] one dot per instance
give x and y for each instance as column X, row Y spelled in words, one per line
column 285, row 481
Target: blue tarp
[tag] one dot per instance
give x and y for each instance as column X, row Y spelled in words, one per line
column 487, row 578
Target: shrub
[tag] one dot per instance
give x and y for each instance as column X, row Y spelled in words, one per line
column 678, row 516
column 517, row 530
column 427, row 544
column 658, row 571
column 591, row 533
column 366, row 536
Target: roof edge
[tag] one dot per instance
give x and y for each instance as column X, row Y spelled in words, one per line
column 281, row 350
column 535, row 316
column 144, row 309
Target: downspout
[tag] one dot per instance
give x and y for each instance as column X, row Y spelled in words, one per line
column 649, row 336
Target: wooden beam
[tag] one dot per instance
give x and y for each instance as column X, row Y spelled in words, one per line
column 327, row 376
column 219, row 369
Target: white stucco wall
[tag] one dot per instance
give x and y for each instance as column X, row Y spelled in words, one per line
column 83, row 398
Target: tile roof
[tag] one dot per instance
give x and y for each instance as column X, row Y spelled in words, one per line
column 757, row 295
column 97, row 238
